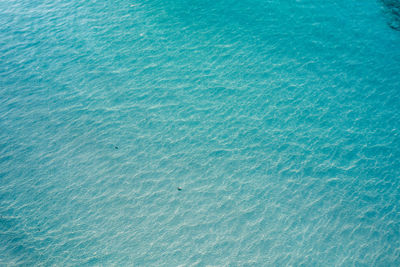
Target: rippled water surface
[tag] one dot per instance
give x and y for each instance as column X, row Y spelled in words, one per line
column 279, row 120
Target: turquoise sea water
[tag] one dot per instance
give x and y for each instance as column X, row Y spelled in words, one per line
column 280, row 121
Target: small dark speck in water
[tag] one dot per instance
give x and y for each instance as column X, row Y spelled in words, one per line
column 179, row 188
column 116, row 147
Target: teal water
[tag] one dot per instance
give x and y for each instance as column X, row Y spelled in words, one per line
column 280, row 121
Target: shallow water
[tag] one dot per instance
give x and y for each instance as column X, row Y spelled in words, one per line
column 278, row 119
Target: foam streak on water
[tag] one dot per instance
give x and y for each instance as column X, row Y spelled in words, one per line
column 278, row 119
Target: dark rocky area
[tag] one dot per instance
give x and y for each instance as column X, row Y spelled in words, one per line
column 392, row 11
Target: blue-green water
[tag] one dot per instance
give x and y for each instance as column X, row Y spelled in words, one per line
column 280, row 121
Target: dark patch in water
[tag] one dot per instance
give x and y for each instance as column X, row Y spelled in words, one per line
column 220, row 153
column 392, row 11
